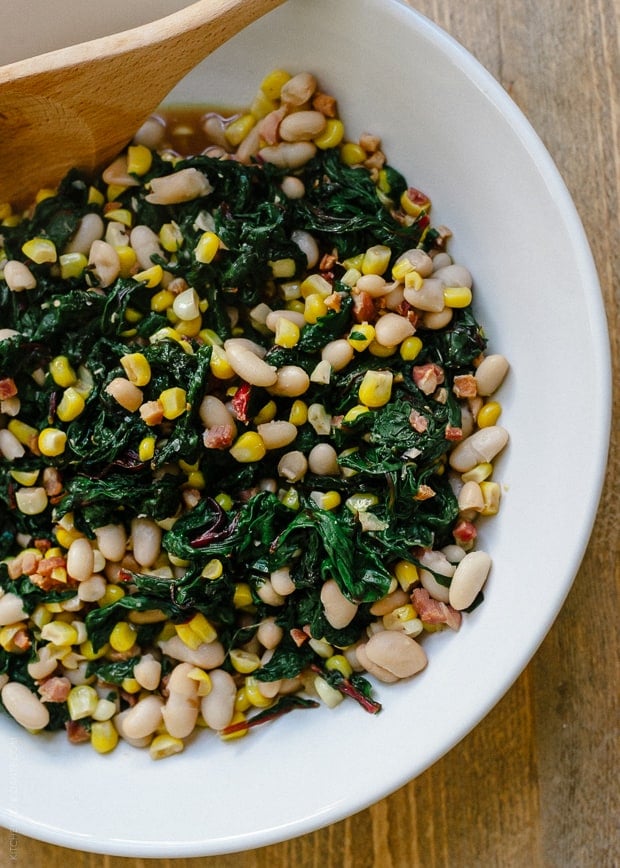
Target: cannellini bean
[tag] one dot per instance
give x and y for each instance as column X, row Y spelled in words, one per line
column 111, row 541
column 371, row 667
column 390, row 602
column 277, row 433
column 396, row 652
column 298, row 89
column 302, row 126
column 218, row 706
column 483, row 445
column 441, row 259
column 271, row 320
column 146, row 541
column 469, row 578
column 374, row 285
column 80, row 559
column 182, row 186
column 470, row 497
column 213, row 411
column 454, row 553
column 92, row 589
column 247, row 365
column 5, row 334
column 145, row 244
column 395, row 297
column 125, row 393
column 147, row 672
column 391, row 329
column 269, row 634
column 437, row 320
column 11, row 609
column 307, row 244
column 24, row 706
column 208, row 655
column 91, row 228
column 116, row 173
column 10, row 447
column 288, row 155
column 429, row 297
column 291, row 381
column 323, row 460
column 435, row 589
column 293, row 466
column 18, row 276
column 44, row 664
column 151, row 134
column 119, row 724
column 104, row 262
column 294, row 188
column 455, row 275
column 143, row 718
column 338, row 610
column 179, row 715
column 490, row 373
column 269, row 595
column 338, row 353
column 282, row 582
column 418, row 259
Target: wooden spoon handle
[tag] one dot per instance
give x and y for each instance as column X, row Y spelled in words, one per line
column 79, row 106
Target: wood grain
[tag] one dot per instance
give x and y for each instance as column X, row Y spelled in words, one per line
column 535, row 785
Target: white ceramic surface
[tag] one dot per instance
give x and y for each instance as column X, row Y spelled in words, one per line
column 456, row 135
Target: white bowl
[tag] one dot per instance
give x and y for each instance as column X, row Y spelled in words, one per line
column 454, row 133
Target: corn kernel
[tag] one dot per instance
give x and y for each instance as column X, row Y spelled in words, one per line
column 354, row 413
column 237, row 718
column 130, row 685
column 174, row 402
column 203, row 678
column 248, row 447
column 376, row 259
column 70, row 406
column 290, row 498
column 361, row 336
column 406, row 574
column 213, row 569
column 244, row 661
column 298, row 414
column 72, row 265
column 339, row 663
column 137, row 368
column 352, row 154
column 314, row 307
column 82, row 701
column 376, row 388
column 151, row 277
column 207, row 247
column 139, row 159
column 26, row 477
column 331, row 696
column 105, row 710
column 165, row 745
column 491, row 494
column 242, row 703
column 127, row 259
column 254, row 695
column 266, row 413
column 237, row 130
column 114, row 192
column 410, row 348
column 457, row 296
column 25, row 433
column 52, row 442
column 103, row 736
column 331, row 136
column 242, row 596
column 211, row 338
column 7, row 637
column 120, row 215
column 6, row 210
column 326, row 499
column 95, row 196
column 224, row 500
column 415, row 203
column 40, row 250
column 261, row 105
column 273, row 83
column 162, row 300
column 287, row 333
column 88, row 652
column 171, row 237
column 189, row 328
column 478, row 473
column 111, row 595
column 315, row 284
column 488, row 414
column 123, row 636
column 380, row 351
column 219, row 365
column 59, row 633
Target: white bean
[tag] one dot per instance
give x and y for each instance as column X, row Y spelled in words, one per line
column 80, row 559
column 119, row 724
column 301, row 126
column 338, row 610
column 307, row 244
column 143, row 718
column 371, row 667
column 470, row 497
column 269, row 634
column 454, row 275
column 291, row 381
column 92, row 589
column 298, row 89
column 151, row 134
column 24, row 706
column 429, row 297
column 295, row 316
column 481, row 446
column 104, row 262
column 293, row 466
column 218, row 706
column 250, row 367
column 323, row 460
column 418, row 259
column 214, row 412
column 437, row 320
column 10, row 447
column 145, row 244
column 182, row 186
column 44, row 664
column 269, row 595
column 391, row 329
column 396, row 652
column 469, row 578
column 111, row 541
column 18, row 276
column 373, row 284
column 146, row 541
column 147, row 672
column 490, row 373
column 288, row 155
column 293, row 187
column 277, row 433
column 179, row 715
column 338, row 353
column 90, row 228
column 208, row 655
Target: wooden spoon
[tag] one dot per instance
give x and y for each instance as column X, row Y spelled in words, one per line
column 79, row 106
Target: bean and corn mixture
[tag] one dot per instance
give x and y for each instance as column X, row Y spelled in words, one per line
column 247, row 429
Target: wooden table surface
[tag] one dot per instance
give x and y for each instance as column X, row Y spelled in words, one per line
column 536, row 783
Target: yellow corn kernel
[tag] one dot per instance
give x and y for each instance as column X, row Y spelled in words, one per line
column 242, row 703
column 196, row 479
column 237, row 130
column 207, row 247
column 224, row 500
column 213, row 569
column 44, row 193
column 352, row 154
column 491, row 495
column 253, row 693
column 406, row 574
column 174, row 402
column 65, row 537
column 162, row 300
column 361, row 336
column 315, row 284
column 82, row 701
column 242, row 596
column 88, row 652
column 354, row 413
column 132, row 316
column 299, row 413
column 219, row 365
column 59, row 633
column 287, row 333
column 12, row 220
column 381, row 352
column 114, row 192
column 123, row 636
column 290, row 499
column 414, row 203
column 383, row 182
column 237, row 718
column 111, row 595
column 130, row 685
column 52, row 442
column 339, row 663
column 248, row 447
column 196, row 631
column 376, row 388
column 478, row 473
column 399, row 616
column 139, row 159
column 151, row 277
column 165, row 745
column 273, row 83
column 331, row 136
column 103, row 736
column 137, row 368
column 488, row 414
column 314, row 307
column 211, row 338
column 26, row 477
column 376, row 259
column 282, row 268
column 120, row 215
column 413, row 279
column 105, row 710
column 40, row 617
column 72, row 265
column 410, row 348
column 266, row 413
column 127, row 259
column 189, row 328
column 457, row 296
column 244, row 661
column 203, row 678
column 261, row 105
column 40, row 250
column 95, row 196
column 7, row 636
column 171, row 237
column 54, row 608
column 326, row 499
column 71, row 405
